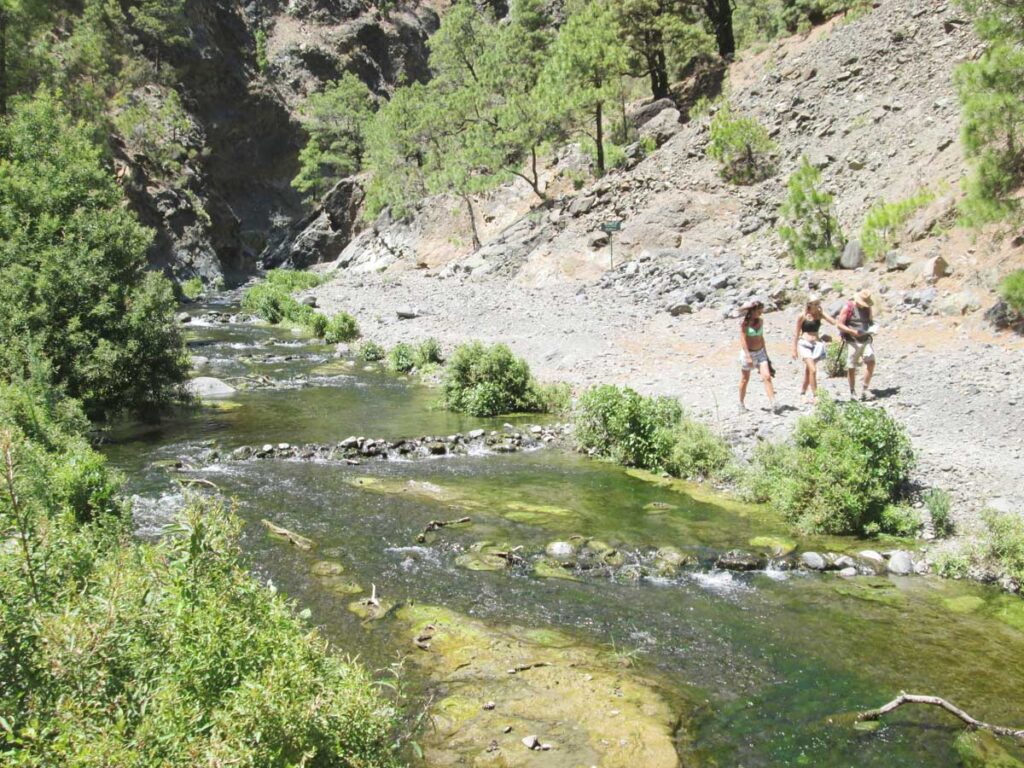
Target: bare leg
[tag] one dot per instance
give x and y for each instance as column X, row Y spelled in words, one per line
column 811, row 375
column 766, row 377
column 744, row 380
column 851, row 375
column 807, row 378
column 869, row 371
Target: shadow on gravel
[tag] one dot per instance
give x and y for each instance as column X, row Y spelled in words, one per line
column 881, row 394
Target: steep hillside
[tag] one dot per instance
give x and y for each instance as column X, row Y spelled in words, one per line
column 869, row 101
column 241, row 79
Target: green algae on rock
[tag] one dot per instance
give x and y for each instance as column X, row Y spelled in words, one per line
column 778, row 546
column 540, row 683
column 981, row 749
column 549, row 568
column 327, row 568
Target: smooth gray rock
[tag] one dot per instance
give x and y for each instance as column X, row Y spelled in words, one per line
column 184, row 318
column 407, row 313
column 208, row 386
column 853, row 256
column 900, row 563
column 813, row 560
column 896, row 261
column 560, row 550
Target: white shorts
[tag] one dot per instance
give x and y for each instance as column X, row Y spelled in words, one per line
column 858, row 350
column 811, row 350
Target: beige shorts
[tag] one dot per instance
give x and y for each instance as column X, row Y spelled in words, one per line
column 857, row 351
column 811, row 350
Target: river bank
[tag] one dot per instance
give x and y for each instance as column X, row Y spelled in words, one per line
column 957, row 389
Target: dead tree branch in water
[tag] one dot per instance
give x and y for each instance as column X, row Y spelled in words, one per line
column 935, row 701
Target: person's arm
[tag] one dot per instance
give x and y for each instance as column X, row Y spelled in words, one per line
column 743, row 343
column 829, row 319
column 796, row 335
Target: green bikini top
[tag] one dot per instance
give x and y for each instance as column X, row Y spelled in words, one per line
column 752, row 331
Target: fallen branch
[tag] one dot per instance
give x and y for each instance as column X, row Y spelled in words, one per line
column 935, row 701
column 290, row 536
column 435, row 525
column 199, row 481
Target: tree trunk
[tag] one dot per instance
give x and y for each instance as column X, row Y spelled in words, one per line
column 720, row 14
column 472, row 222
column 535, row 176
column 662, row 66
column 599, row 133
column 3, row 63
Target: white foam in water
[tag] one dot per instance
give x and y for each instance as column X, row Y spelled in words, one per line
column 151, row 515
column 415, row 555
column 775, row 574
column 720, row 582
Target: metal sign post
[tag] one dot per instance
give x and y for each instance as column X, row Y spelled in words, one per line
column 610, row 228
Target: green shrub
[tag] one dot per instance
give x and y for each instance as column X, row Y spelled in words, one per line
column 845, row 465
column 192, row 288
column 1011, row 288
column 703, row 106
column 697, row 452
column 73, row 270
column 741, row 146
column 939, row 505
column 554, row 398
column 124, row 654
column 371, row 352
column 1004, row 542
column 897, row 520
column 272, row 300
column 880, row 232
column 402, row 358
column 953, row 563
column 291, row 280
column 429, row 353
column 341, row 327
column 620, row 424
column 835, row 359
column 487, row 381
column 647, row 145
column 810, row 229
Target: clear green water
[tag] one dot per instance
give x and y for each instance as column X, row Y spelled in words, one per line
column 766, row 659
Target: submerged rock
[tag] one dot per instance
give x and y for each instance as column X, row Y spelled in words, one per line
column 566, row 696
column 813, row 561
column 327, row 568
column 549, row 568
column 738, row 560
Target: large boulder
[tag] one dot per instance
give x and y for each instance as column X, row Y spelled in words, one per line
column 642, row 115
column 853, row 255
column 207, row 386
column 662, row 127
column 322, row 235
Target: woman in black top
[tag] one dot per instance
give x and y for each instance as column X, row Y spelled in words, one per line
column 808, row 346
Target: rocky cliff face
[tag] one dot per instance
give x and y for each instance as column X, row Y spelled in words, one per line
column 232, row 198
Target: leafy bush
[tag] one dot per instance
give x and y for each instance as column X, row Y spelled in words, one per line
column 429, row 353
column 953, row 563
column 371, row 352
column 341, row 327
column 697, row 452
column 487, row 381
column 835, row 359
column 846, row 464
column 272, row 300
column 123, row 654
column 73, row 278
column 810, row 230
column 402, row 358
column 1011, row 288
column 878, row 234
column 742, row 146
column 620, row 424
column 938, row 504
column 192, row 288
column 896, row 520
column 1004, row 542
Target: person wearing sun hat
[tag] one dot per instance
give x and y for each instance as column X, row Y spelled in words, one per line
column 753, row 353
column 855, row 323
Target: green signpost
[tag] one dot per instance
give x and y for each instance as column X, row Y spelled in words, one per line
column 610, row 228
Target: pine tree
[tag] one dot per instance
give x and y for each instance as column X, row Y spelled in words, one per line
column 662, row 35
column 336, row 120
column 585, row 69
column 741, row 145
column 160, row 23
column 810, row 229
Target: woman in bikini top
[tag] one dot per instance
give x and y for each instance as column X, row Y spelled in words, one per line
column 808, row 346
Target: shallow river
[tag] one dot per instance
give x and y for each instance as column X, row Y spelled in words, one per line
column 760, row 664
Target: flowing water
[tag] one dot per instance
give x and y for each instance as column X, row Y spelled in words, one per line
column 764, row 664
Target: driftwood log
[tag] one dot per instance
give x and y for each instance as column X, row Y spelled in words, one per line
column 935, row 701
